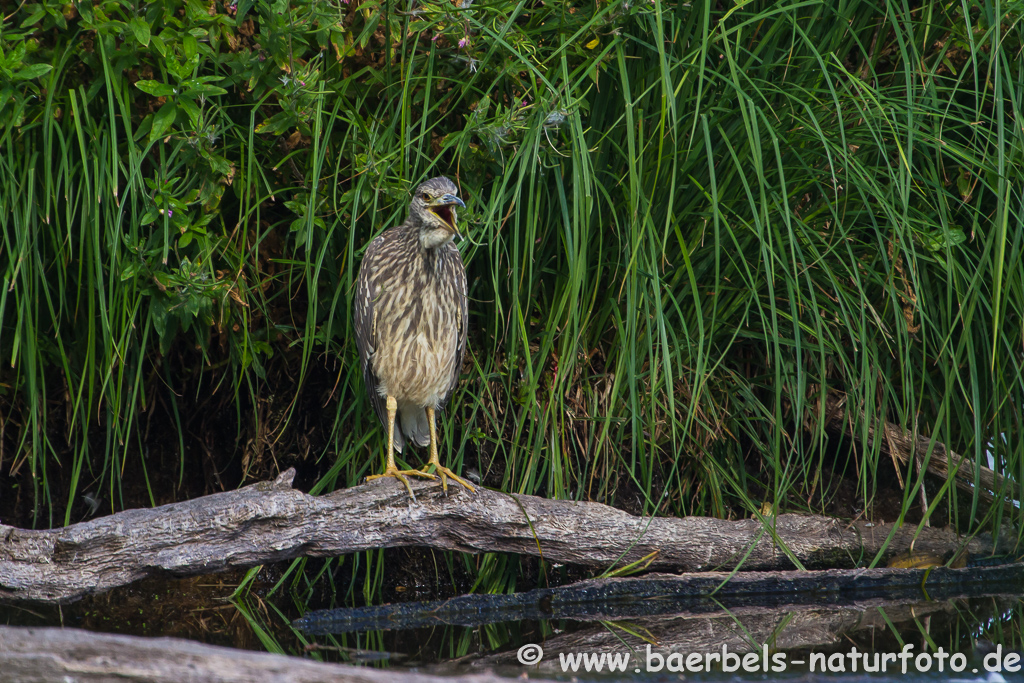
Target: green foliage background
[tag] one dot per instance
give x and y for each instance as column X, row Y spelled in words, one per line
column 687, row 224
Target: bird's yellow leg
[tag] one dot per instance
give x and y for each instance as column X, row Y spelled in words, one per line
column 392, row 470
column 441, row 469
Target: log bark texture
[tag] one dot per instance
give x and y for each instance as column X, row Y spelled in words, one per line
column 44, row 655
column 270, row 521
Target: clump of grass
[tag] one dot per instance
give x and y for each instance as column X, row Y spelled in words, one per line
column 687, row 224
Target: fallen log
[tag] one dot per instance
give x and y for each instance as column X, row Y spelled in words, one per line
column 900, row 443
column 652, row 595
column 43, row 655
column 270, row 521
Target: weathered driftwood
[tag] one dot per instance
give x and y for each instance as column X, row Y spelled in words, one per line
column 901, row 443
column 45, row 655
column 647, row 596
column 270, row 521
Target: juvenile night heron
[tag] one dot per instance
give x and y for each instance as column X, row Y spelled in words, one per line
column 410, row 323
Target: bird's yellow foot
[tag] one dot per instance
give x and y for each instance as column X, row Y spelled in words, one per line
column 401, row 475
column 445, row 473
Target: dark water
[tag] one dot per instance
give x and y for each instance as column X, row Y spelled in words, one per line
column 644, row 639
column 656, row 626
column 756, row 642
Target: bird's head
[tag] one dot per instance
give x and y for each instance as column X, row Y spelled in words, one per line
column 433, row 211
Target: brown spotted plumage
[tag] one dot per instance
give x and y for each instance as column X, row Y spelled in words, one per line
column 410, row 323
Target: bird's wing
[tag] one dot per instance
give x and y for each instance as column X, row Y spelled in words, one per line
column 365, row 323
column 458, row 273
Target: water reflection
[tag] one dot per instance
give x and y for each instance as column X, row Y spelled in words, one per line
column 470, row 635
column 651, row 638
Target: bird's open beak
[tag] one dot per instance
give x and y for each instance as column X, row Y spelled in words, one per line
column 443, row 207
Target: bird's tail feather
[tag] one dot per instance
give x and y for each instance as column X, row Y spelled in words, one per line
column 399, row 437
column 414, row 424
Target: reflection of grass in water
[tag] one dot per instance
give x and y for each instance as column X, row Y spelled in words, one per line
column 875, row 620
column 955, row 625
column 960, row 625
column 684, row 223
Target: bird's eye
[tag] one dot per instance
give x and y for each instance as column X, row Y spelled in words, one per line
column 425, row 197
